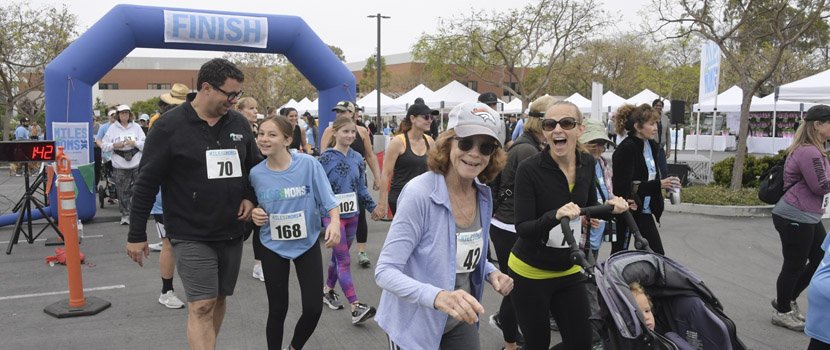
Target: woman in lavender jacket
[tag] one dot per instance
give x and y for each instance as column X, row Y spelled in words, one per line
column 433, row 263
column 797, row 215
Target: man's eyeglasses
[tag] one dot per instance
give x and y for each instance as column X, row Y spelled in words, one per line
column 231, row 95
column 485, row 148
column 566, row 123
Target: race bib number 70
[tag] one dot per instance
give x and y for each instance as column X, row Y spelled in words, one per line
column 223, row 163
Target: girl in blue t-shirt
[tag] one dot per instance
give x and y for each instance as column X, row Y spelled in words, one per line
column 291, row 188
column 346, row 173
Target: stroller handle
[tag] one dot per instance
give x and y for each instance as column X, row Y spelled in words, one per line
column 640, row 243
column 577, row 256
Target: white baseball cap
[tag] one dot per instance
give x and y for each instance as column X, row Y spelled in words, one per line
column 468, row 119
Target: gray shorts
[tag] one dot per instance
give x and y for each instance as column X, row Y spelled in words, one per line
column 207, row 269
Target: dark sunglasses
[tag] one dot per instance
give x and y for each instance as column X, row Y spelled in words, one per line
column 485, row 148
column 426, row 116
column 231, row 95
column 566, row 123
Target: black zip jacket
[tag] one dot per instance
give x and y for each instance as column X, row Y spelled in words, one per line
column 541, row 189
column 628, row 164
column 525, row 146
column 195, row 208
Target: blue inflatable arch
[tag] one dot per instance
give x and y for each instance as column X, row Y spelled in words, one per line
column 70, row 76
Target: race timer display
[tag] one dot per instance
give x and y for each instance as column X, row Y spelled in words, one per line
column 27, row 151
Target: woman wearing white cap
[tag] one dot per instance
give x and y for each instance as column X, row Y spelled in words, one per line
column 432, row 265
column 126, row 141
column 549, row 186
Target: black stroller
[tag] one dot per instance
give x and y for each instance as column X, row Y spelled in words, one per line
column 683, row 305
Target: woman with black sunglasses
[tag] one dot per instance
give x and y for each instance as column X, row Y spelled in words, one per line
column 434, row 255
column 637, row 175
column 549, row 186
column 502, row 228
column 406, row 154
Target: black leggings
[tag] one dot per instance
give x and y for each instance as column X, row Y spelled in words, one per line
column 645, row 222
column 565, row 298
column 503, row 242
column 801, row 248
column 257, row 244
column 362, row 227
column 816, row 344
column 309, row 268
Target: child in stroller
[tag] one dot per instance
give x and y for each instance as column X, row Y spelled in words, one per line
column 683, row 305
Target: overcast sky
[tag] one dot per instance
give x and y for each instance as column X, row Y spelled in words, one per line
column 343, row 23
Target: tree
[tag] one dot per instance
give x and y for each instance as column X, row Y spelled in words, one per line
column 517, row 50
column 368, row 80
column 30, row 39
column 754, row 36
column 272, row 80
column 148, row 106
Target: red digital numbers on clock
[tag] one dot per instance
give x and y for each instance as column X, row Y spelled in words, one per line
column 44, row 152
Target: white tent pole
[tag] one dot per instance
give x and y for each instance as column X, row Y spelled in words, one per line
column 774, row 115
column 712, row 141
column 697, row 131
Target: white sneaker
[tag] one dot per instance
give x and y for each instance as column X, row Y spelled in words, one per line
column 258, row 272
column 156, row 247
column 170, row 300
column 787, row 320
column 125, row 220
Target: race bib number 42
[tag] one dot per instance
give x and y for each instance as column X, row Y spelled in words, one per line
column 287, row 227
column 222, row 163
column 348, row 202
column 468, row 250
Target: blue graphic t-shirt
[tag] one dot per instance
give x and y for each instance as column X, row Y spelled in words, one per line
column 302, row 189
column 347, row 174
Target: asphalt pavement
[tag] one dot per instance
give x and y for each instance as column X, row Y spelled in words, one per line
column 739, row 258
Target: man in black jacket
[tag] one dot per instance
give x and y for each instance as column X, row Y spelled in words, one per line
column 200, row 155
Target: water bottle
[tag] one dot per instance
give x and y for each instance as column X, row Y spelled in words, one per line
column 80, row 230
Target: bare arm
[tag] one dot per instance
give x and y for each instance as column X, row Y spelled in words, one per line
column 393, row 151
column 370, row 157
column 324, row 140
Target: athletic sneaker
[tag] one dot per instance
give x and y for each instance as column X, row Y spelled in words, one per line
column 125, row 220
column 787, row 320
column 362, row 312
column 156, row 247
column 363, row 260
column 258, row 272
column 793, row 307
column 170, row 300
column 332, row 300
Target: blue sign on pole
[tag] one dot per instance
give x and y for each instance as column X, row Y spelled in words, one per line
column 709, row 71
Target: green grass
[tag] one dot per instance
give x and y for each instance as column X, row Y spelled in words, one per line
column 717, row 195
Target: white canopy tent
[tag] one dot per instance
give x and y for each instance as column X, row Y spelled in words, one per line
column 815, row 88
column 370, row 102
column 647, row 96
column 305, row 105
column 729, row 101
column 612, row 101
column 400, row 104
column 580, row 101
column 768, row 104
column 513, row 107
column 452, row 95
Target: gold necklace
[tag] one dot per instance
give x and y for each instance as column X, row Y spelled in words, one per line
column 467, row 218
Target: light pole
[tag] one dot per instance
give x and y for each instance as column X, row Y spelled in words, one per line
column 377, row 63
